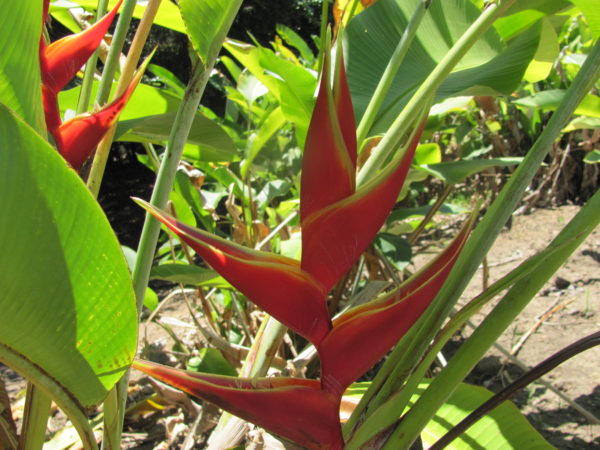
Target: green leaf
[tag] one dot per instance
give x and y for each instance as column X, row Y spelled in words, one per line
column 20, row 29
column 167, row 16
column 489, row 68
column 187, row 274
column 150, row 299
column 292, row 38
column 592, row 157
column 590, row 10
column 583, row 123
column 545, row 56
column 210, row 360
column 504, row 427
column 456, row 171
column 429, row 153
column 293, row 86
column 207, row 23
column 271, row 124
column 549, row 101
column 405, row 213
column 397, row 250
column 145, row 101
column 66, row 300
column 207, row 141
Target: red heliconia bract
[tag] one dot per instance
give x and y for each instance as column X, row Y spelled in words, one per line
column 338, row 223
column 60, row 61
column 285, row 291
column 294, row 408
column 334, row 237
column 363, row 335
column 77, row 138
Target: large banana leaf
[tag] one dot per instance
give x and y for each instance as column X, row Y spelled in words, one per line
column 490, row 67
column 504, row 427
column 67, row 310
column 20, row 28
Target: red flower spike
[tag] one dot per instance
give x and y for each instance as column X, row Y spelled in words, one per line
column 328, row 168
column 296, row 409
column 62, row 59
column 45, row 10
column 345, row 111
column 363, row 335
column 274, row 283
column 77, row 138
column 334, row 237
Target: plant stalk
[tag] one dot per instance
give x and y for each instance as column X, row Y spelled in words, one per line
column 133, row 56
column 35, row 419
column 407, row 117
column 90, row 67
column 385, row 83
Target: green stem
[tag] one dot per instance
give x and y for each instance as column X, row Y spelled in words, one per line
column 90, row 67
column 323, row 34
column 112, row 59
column 494, row 324
column 407, row 117
column 35, row 419
column 385, row 83
column 268, row 339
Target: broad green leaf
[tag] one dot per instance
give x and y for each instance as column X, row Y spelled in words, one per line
column 150, row 299
column 549, row 101
column 489, row 68
column 20, row 29
column 210, row 360
column 67, row 302
column 592, row 157
column 206, row 141
column 590, row 10
column 272, row 123
column 395, row 248
column 582, row 123
column 405, row 213
column 429, row 153
column 187, row 274
column 524, row 13
column 168, row 14
column 545, row 56
column 145, row 101
column 292, row 85
column 503, row 428
column 169, row 79
column 294, row 39
column 456, row 171
column 207, row 23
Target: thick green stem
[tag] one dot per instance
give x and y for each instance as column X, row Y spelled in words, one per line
column 407, row 117
column 35, row 418
column 112, row 60
column 90, row 67
column 385, row 83
column 268, row 339
column 133, row 56
column 492, row 327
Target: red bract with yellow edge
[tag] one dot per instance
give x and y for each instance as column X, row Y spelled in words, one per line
column 338, row 223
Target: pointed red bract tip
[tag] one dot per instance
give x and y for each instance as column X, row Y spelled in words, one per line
column 77, row 138
column 345, row 112
column 62, row 59
column 363, row 335
column 274, row 283
column 334, row 237
column 296, row 409
column 328, row 171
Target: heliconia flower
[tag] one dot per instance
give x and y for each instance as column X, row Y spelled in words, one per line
column 334, row 237
column 77, row 138
column 296, row 409
column 63, row 58
column 275, row 283
column 363, row 335
column 60, row 61
column 329, row 159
